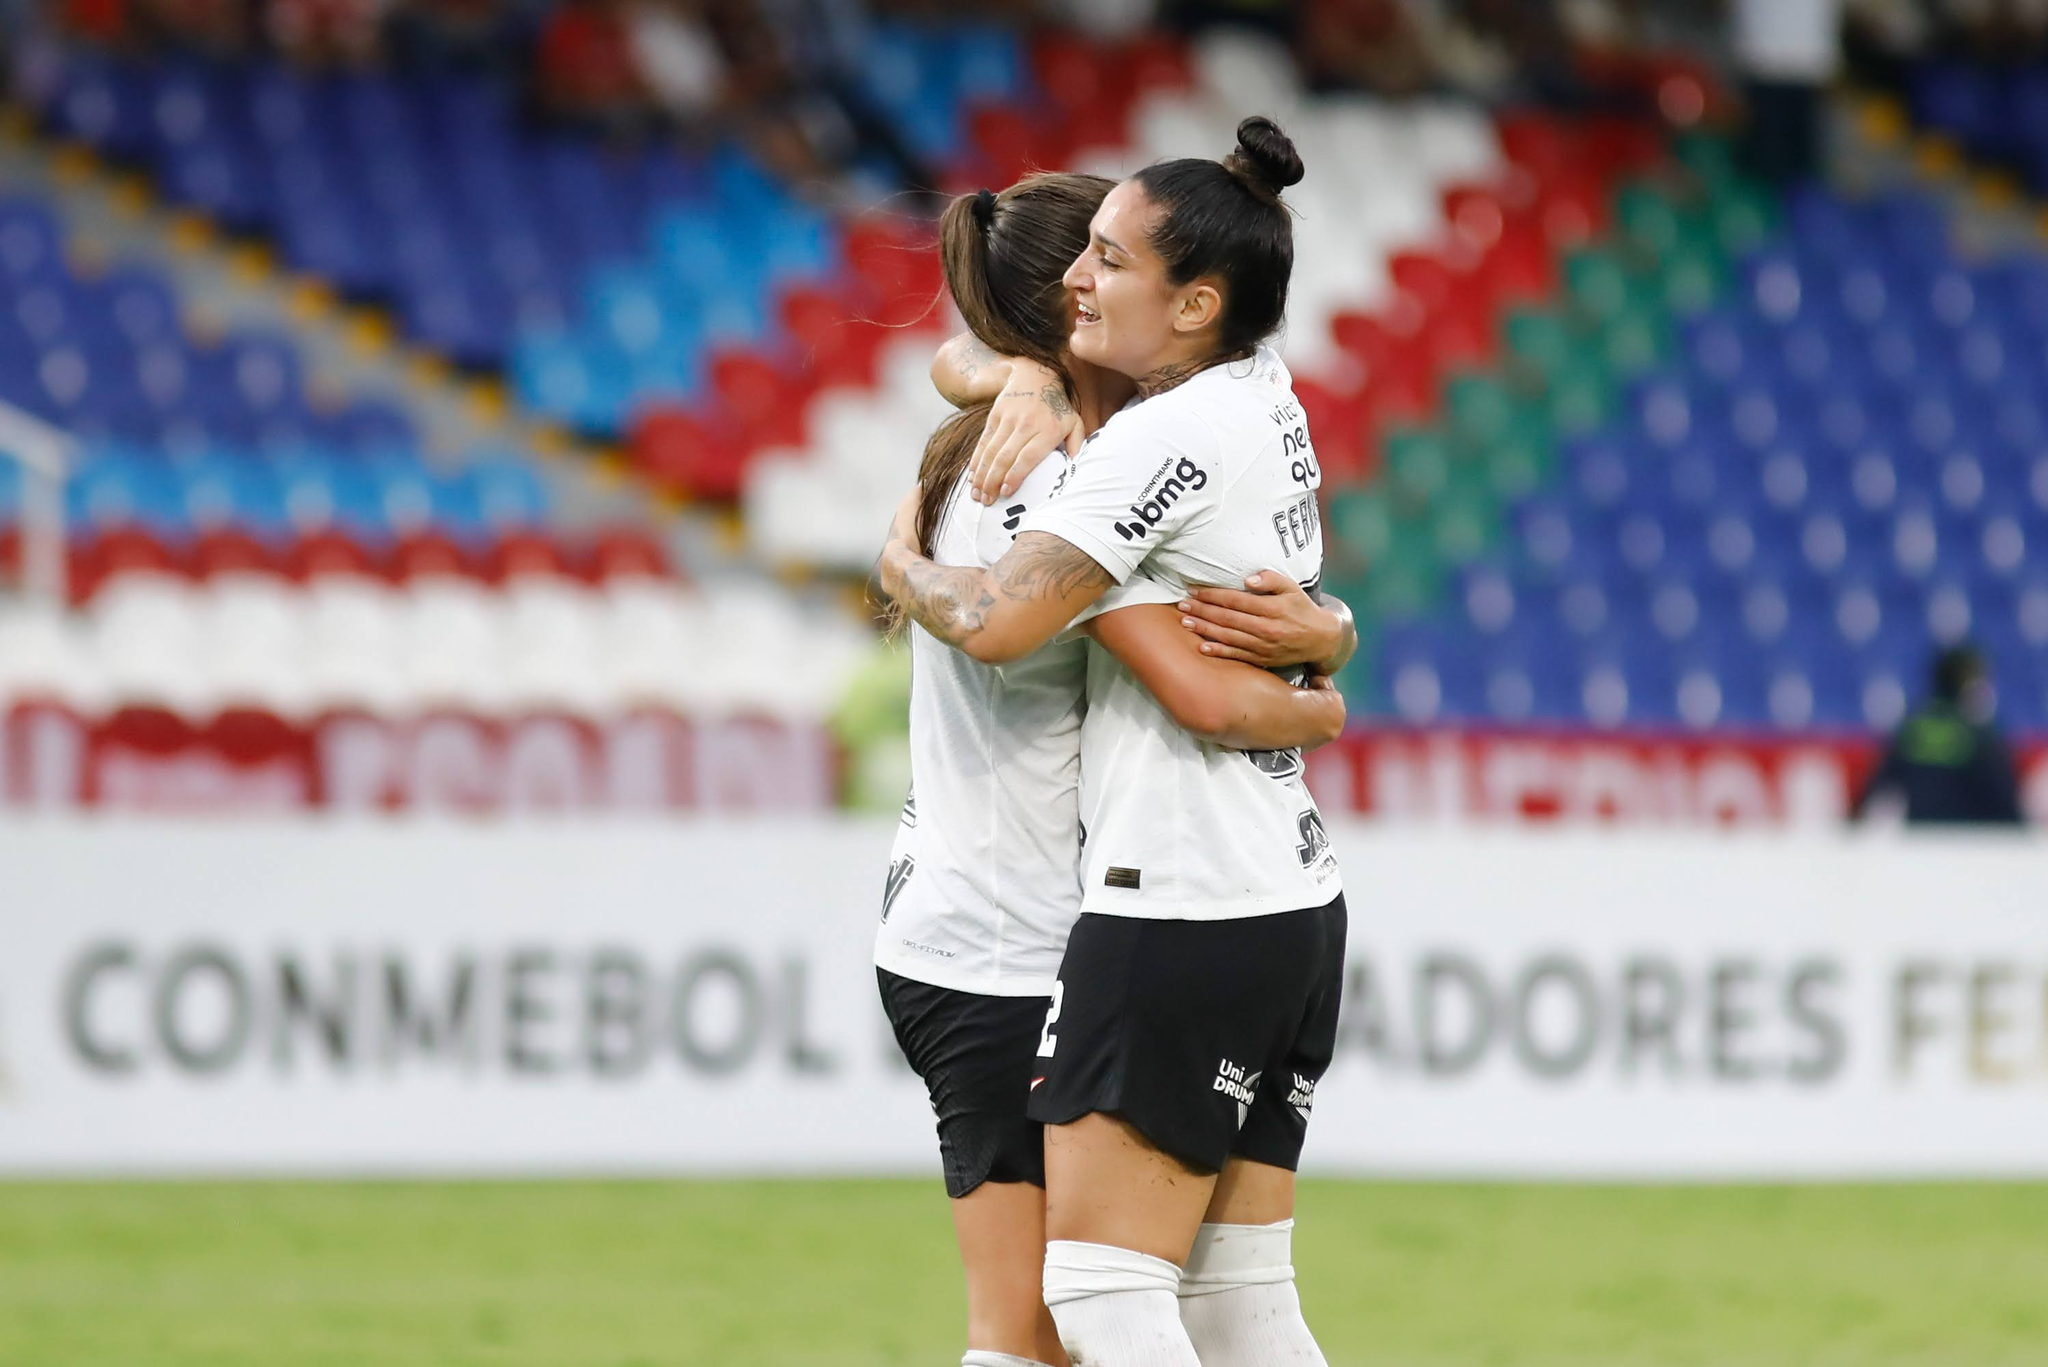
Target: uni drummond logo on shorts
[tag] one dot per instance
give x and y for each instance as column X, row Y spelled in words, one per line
column 1302, row 1096
column 1238, row 1085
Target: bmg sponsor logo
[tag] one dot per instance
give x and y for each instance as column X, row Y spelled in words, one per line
column 1187, row 476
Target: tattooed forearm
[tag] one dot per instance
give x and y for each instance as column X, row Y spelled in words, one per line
column 1000, row 613
column 1055, row 398
column 949, row 601
column 1040, row 566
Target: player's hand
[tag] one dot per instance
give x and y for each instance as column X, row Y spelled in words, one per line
column 1271, row 622
column 1030, row 420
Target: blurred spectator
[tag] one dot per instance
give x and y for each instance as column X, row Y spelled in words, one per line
column 106, row 23
column 219, row 28
column 584, row 68
column 324, row 32
column 800, row 63
column 1375, row 45
column 1106, row 21
column 679, row 59
column 1787, row 52
column 1947, row 762
column 437, row 34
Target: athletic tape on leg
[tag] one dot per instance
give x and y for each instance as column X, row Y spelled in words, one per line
column 1116, row 1307
column 1226, row 1256
column 1074, row 1270
column 981, row 1359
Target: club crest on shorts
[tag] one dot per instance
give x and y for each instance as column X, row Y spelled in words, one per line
column 1234, row 1082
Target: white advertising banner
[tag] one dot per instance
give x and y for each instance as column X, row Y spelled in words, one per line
column 456, row 998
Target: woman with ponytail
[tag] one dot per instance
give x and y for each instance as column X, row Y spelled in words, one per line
column 1195, row 1008
column 983, row 884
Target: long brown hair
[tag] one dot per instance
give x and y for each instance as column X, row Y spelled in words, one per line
column 1004, row 256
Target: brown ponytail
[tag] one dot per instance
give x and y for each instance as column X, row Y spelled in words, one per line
column 1005, row 257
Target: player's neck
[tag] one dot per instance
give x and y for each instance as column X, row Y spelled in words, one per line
column 1098, row 393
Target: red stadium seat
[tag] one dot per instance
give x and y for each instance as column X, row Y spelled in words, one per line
column 527, row 554
column 429, row 555
column 686, row 454
column 628, row 552
column 119, row 551
column 1539, row 143
column 1010, row 143
column 326, row 552
column 899, row 274
column 767, row 404
column 1573, row 210
column 833, row 344
column 1074, row 73
column 1157, row 61
column 229, row 550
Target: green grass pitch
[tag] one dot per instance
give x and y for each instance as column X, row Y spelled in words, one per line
column 861, row 1274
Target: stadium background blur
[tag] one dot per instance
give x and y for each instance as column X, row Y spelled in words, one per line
column 447, row 440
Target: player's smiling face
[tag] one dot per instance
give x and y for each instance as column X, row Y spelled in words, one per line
column 1124, row 305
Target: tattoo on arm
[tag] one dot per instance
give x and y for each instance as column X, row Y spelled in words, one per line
column 956, row 603
column 1055, row 398
column 973, row 356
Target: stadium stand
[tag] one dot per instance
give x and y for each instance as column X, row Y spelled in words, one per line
column 1614, row 438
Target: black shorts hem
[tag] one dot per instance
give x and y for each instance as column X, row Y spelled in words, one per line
column 974, row 1054
column 1199, row 1163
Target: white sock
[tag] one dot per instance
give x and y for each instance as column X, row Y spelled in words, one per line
column 977, row 1358
column 1115, row 1307
column 1238, row 1301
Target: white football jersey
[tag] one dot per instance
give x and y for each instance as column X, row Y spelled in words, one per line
column 984, row 883
column 1203, row 484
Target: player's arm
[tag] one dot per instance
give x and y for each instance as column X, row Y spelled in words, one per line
column 1220, row 701
column 1272, row 624
column 1030, row 415
column 966, row 372
column 998, row 614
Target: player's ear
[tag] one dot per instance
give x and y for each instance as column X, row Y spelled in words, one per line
column 1201, row 306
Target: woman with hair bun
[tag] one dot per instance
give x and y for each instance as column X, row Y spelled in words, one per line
column 983, row 885
column 1196, row 1005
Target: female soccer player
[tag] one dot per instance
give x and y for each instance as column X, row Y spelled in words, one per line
column 983, row 884
column 1196, row 1004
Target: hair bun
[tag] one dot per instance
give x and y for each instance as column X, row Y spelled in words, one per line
column 1265, row 159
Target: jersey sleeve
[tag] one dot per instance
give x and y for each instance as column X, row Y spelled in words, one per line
column 999, row 525
column 1140, row 483
column 1139, row 589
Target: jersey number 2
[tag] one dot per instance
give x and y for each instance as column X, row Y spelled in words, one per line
column 1047, row 1040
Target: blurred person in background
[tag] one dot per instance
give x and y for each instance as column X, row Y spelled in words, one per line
column 437, row 34
column 1787, row 51
column 1375, row 45
column 325, row 33
column 1947, row 762
column 584, row 71
column 681, row 64
column 801, row 62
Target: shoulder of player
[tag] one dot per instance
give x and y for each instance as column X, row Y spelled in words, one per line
column 1219, row 425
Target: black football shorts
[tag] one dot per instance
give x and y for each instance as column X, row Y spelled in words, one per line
column 975, row 1054
column 1208, row 1036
